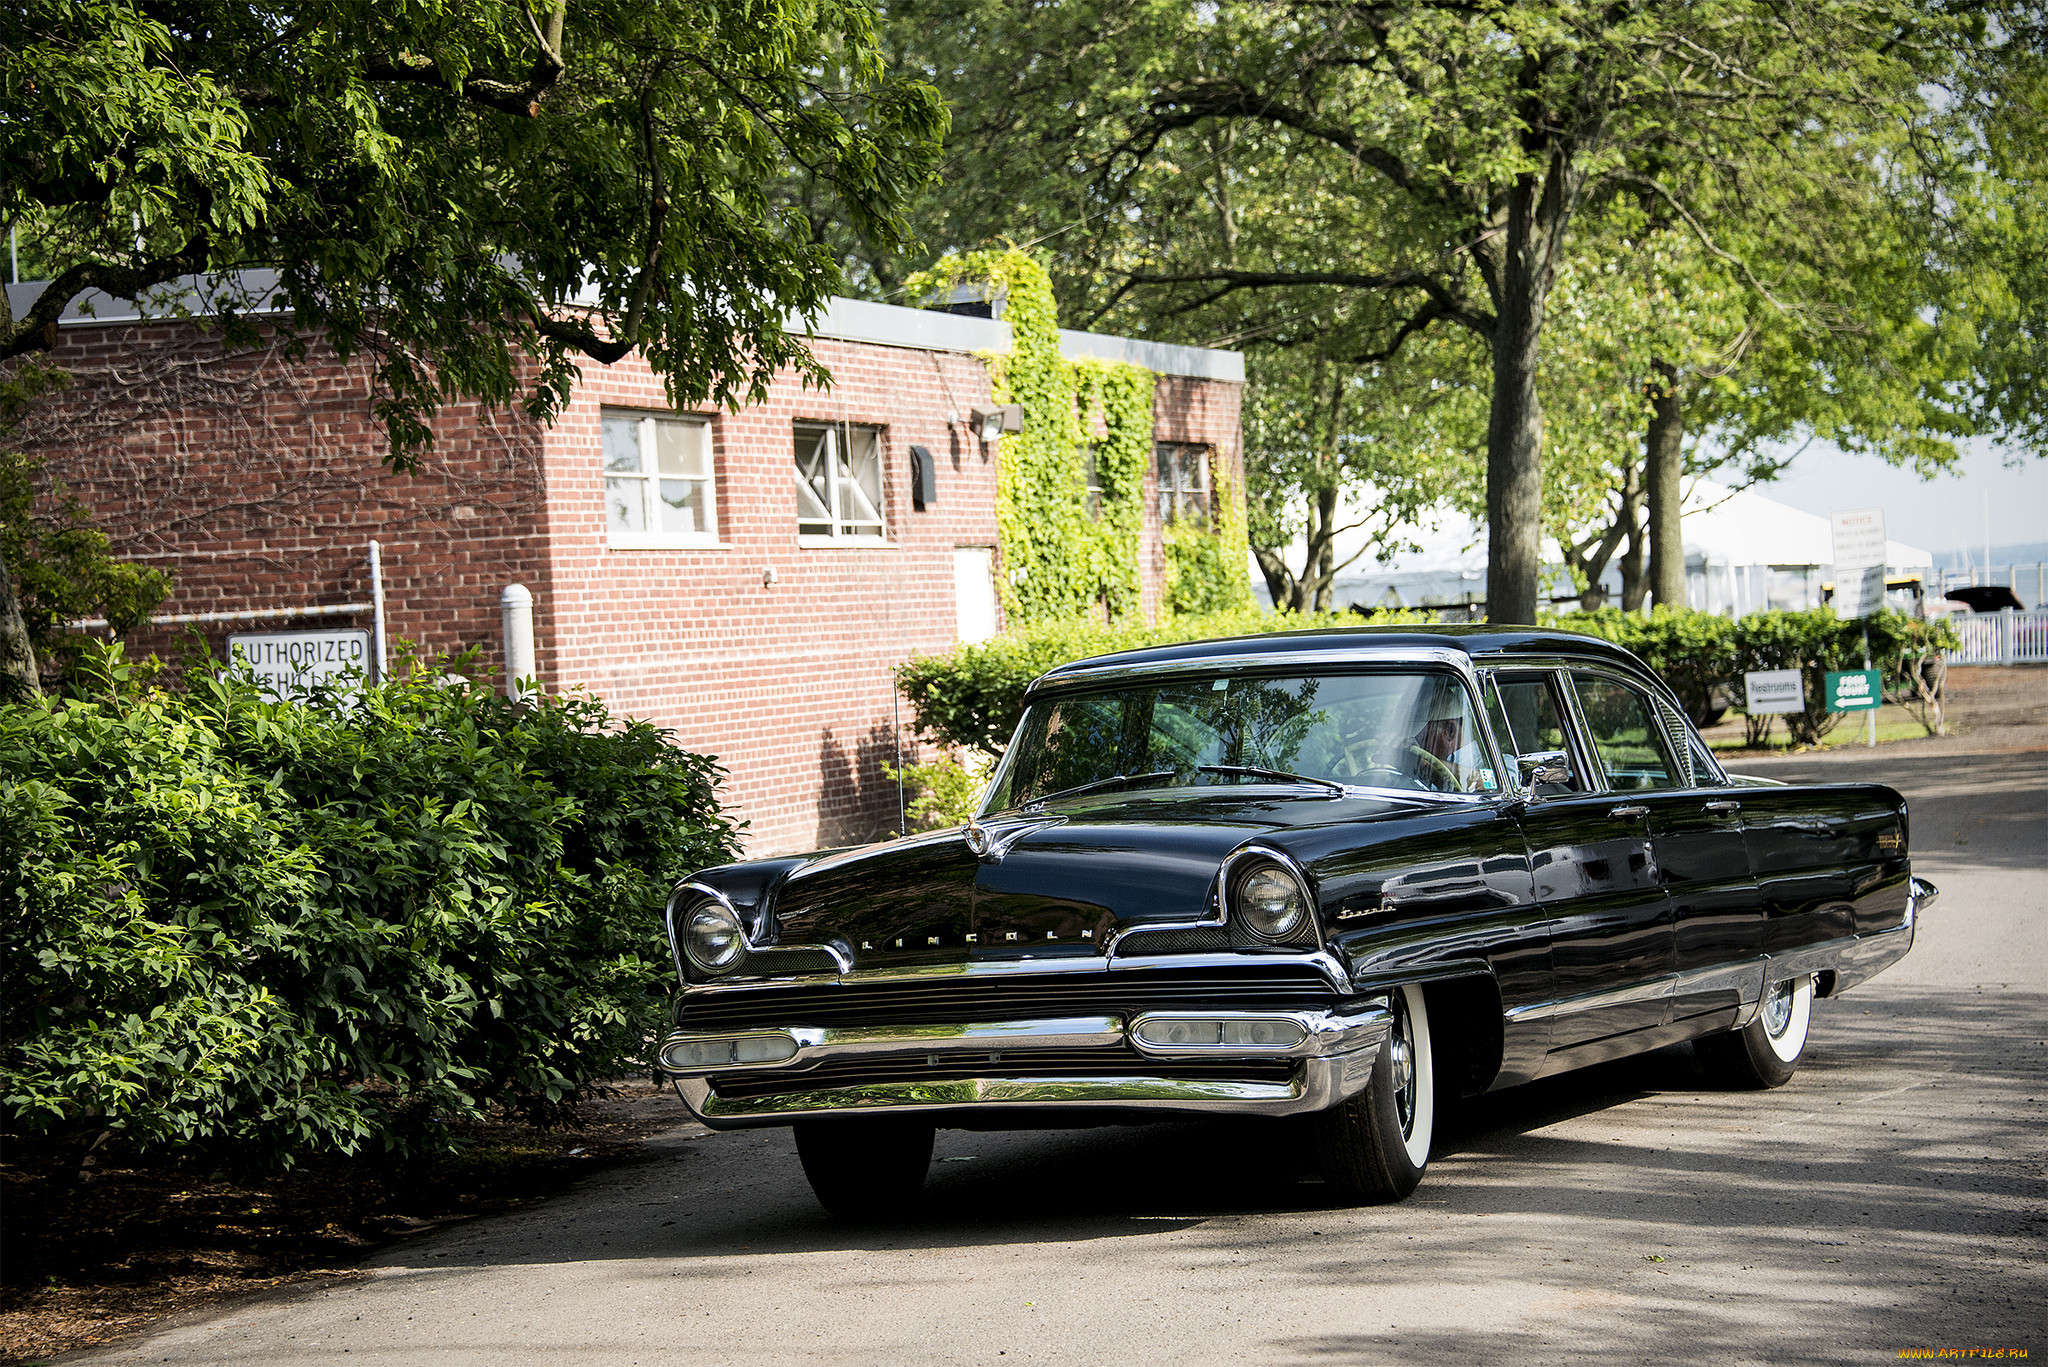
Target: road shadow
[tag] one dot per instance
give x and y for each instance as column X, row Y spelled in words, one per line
column 1717, row 1159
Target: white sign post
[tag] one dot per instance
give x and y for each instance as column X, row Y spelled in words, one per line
column 287, row 661
column 1859, row 575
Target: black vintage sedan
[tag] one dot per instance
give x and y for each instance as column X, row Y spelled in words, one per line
column 1328, row 876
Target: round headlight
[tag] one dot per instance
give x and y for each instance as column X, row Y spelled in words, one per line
column 712, row 936
column 1269, row 902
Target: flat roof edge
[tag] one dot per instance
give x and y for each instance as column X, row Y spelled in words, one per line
column 845, row 320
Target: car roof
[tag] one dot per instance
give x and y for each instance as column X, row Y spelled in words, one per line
column 1484, row 644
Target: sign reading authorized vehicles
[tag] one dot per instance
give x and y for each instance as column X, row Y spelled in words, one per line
column 287, row 661
column 1854, row 690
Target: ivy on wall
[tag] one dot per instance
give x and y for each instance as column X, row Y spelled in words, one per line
column 1209, row 571
column 1058, row 562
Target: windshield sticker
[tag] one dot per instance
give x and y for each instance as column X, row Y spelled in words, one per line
column 1486, row 779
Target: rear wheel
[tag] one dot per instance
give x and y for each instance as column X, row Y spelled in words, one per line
column 865, row 1169
column 1373, row 1148
column 1766, row 1052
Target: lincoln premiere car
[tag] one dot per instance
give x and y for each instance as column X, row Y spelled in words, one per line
column 1322, row 877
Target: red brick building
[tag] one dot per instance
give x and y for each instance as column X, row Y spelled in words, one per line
column 748, row 579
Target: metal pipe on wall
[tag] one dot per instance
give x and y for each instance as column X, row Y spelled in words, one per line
column 515, row 607
column 377, row 608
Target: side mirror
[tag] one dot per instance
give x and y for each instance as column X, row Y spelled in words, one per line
column 1549, row 766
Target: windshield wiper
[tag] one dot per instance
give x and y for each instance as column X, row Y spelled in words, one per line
column 1279, row 775
column 1113, row 781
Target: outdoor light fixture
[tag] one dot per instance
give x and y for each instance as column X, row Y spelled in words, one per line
column 991, row 423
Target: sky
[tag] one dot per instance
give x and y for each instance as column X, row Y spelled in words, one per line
column 1942, row 515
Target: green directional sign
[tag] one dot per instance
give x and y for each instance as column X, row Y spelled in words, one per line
column 1854, row 690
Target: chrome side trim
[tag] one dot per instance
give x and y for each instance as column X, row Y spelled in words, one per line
column 1649, row 989
column 1744, row 976
column 1853, row 959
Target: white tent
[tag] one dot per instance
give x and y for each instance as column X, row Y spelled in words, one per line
column 1743, row 553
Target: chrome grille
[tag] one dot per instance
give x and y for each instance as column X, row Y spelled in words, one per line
column 958, row 1001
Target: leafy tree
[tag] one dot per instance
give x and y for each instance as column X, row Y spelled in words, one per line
column 55, row 566
column 1335, row 450
column 473, row 196
column 1352, row 175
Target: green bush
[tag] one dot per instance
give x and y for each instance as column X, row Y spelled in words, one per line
column 287, row 930
column 971, row 696
column 943, row 792
column 1699, row 654
column 1694, row 652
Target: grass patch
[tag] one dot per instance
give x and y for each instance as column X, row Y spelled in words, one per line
column 1894, row 723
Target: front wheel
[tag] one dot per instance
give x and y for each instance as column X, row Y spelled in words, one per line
column 1766, row 1052
column 1373, row 1147
column 865, row 1169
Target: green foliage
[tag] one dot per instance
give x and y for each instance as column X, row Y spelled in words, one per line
column 273, row 931
column 62, row 566
column 946, row 794
column 1057, row 561
column 971, row 696
column 444, row 188
column 1701, row 654
column 1694, row 652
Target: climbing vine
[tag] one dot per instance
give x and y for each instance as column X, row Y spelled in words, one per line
column 1059, row 563
column 1208, row 571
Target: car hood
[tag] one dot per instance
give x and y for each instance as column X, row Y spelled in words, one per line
column 1055, row 883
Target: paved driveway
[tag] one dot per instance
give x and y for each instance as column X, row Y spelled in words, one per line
column 1890, row 1198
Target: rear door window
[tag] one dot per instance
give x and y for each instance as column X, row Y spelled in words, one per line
column 1621, row 722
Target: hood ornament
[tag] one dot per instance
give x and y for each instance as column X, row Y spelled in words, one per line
column 990, row 843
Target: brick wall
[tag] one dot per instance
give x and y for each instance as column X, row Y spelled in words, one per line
column 260, row 482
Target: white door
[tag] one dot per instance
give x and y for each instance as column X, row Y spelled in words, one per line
column 974, row 592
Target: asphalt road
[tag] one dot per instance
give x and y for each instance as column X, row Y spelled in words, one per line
column 1889, row 1198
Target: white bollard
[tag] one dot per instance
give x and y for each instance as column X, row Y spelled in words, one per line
column 516, row 606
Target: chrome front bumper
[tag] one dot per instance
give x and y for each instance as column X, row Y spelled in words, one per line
column 1331, row 1054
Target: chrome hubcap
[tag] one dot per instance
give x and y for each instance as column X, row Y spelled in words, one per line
column 1401, row 1051
column 1778, row 1010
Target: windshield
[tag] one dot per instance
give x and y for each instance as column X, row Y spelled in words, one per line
column 1411, row 731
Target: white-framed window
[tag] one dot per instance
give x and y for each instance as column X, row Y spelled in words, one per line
column 839, row 482
column 658, row 484
column 1184, row 492
column 1091, row 482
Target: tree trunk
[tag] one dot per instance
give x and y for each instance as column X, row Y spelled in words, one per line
column 1634, row 585
column 1663, row 459
column 1532, row 221
column 1323, row 565
column 1514, row 470
column 18, row 673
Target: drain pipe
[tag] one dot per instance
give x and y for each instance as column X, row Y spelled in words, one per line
column 516, row 606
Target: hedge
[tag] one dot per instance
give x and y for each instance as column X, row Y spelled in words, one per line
column 277, row 931
column 1704, row 656
column 971, row 696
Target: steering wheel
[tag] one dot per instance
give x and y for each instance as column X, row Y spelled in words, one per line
column 1430, row 762
column 1391, row 771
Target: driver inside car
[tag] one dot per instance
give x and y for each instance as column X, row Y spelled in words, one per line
column 1435, row 754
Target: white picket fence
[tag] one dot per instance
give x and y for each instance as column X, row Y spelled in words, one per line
column 2002, row 638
